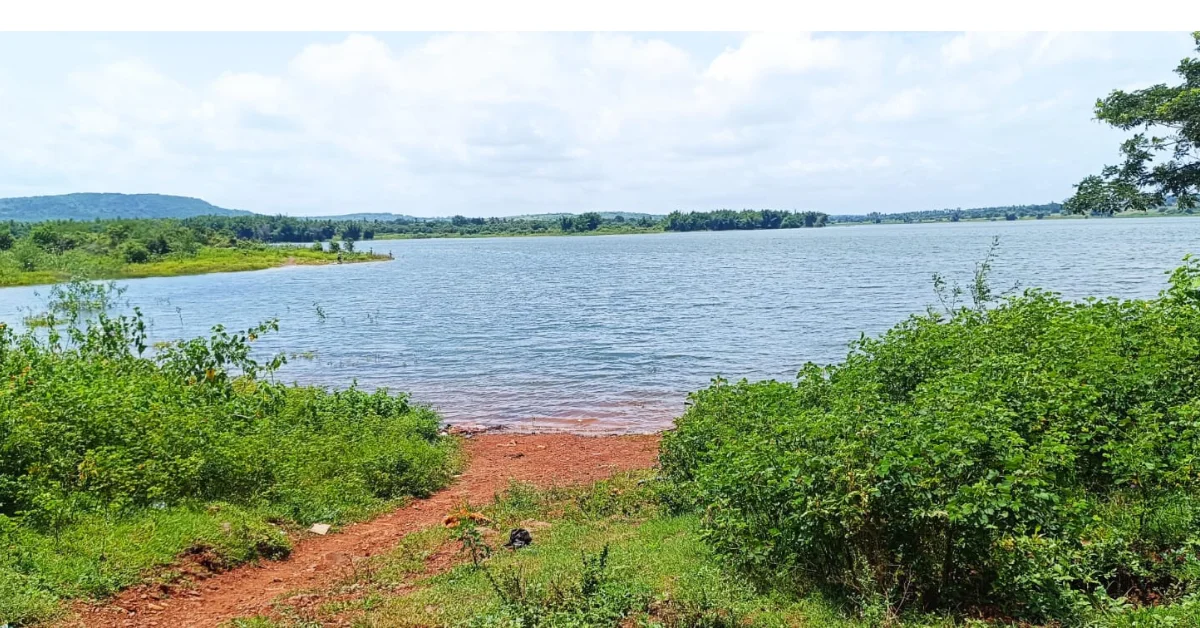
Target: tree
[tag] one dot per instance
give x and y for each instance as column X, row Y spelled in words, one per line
column 352, row 232
column 6, row 239
column 1155, row 167
column 135, row 252
column 588, row 221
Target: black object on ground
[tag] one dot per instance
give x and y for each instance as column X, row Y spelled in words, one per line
column 519, row 538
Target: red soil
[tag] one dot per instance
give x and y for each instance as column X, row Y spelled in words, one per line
column 494, row 459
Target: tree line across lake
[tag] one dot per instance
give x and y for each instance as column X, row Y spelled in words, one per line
column 124, row 247
column 142, row 239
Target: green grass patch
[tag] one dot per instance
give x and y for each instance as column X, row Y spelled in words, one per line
column 605, row 555
column 608, row 554
column 52, row 268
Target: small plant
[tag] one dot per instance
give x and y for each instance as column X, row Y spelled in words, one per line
column 949, row 292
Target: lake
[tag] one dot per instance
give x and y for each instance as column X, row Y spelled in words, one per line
column 609, row 333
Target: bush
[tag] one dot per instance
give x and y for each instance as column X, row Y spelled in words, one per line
column 135, row 252
column 95, row 426
column 1041, row 457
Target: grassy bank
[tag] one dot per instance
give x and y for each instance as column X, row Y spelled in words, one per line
column 117, row 460
column 50, row 268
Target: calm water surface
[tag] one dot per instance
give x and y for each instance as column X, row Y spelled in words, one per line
column 609, row 333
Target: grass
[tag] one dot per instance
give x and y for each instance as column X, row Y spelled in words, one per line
column 96, row 556
column 658, row 572
column 56, row 268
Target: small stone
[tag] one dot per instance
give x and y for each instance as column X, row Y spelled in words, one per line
column 319, row 528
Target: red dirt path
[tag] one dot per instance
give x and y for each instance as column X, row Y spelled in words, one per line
column 493, row 459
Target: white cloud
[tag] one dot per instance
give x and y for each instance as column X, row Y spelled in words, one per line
column 900, row 106
column 767, row 53
column 481, row 123
column 1042, row 48
column 822, row 166
column 970, row 47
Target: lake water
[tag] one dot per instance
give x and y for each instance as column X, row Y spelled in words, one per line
column 610, row 333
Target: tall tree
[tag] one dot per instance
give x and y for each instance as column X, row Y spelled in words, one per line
column 1156, row 167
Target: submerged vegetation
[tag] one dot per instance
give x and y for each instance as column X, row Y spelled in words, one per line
column 117, row 458
column 56, row 251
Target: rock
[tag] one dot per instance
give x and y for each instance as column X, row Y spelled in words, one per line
column 319, row 528
column 519, row 538
column 467, row 430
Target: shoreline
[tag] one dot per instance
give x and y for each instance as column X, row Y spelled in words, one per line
column 466, row 236
column 247, row 263
column 187, row 267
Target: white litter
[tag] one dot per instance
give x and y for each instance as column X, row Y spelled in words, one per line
column 319, row 528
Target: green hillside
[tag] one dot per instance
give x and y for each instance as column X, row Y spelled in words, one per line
column 88, row 206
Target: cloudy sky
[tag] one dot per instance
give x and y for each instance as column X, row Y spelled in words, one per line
column 495, row 124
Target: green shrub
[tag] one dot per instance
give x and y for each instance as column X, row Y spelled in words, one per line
column 135, row 252
column 96, row 428
column 1040, row 456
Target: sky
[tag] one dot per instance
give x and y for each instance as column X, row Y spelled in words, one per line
column 489, row 124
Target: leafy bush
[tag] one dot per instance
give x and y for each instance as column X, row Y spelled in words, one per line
column 135, row 252
column 1039, row 458
column 94, row 424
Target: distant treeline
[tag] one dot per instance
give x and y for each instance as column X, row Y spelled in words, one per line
column 288, row 229
column 729, row 220
column 164, row 235
column 1010, row 212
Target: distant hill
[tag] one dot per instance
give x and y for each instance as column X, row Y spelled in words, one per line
column 89, row 206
